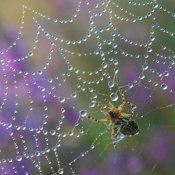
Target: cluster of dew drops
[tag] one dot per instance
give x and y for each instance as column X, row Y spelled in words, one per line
column 103, row 67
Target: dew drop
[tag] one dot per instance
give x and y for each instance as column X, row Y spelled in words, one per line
column 155, row 5
column 40, row 72
column 18, row 158
column 50, row 80
column 115, row 62
column 92, row 104
column 52, row 132
column 61, row 99
column 104, row 65
column 114, row 97
column 172, row 62
column 74, row 95
column 9, row 125
column 30, row 54
column 166, row 73
column 142, row 76
column 60, row 171
column 149, row 49
column 13, row 118
column 111, row 84
column 140, row 18
column 70, row 67
column 37, row 153
column 145, row 67
column 83, row 113
column 131, row 85
column 92, row 146
column 164, row 86
column 71, row 133
column 63, row 110
column 164, row 47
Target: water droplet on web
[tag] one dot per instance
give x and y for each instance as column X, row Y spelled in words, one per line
column 131, row 85
column 74, row 95
column 164, row 47
column 61, row 99
column 45, row 108
column 30, row 54
column 13, row 118
column 115, row 62
column 70, row 67
column 155, row 5
column 116, row 71
column 63, row 110
column 164, row 86
column 104, row 65
column 37, row 153
column 71, row 133
column 54, row 148
column 172, row 62
column 9, row 125
column 92, row 146
column 19, row 158
column 142, row 76
column 83, row 113
column 52, row 132
column 140, row 18
column 40, row 72
column 111, row 84
column 145, row 67
column 114, row 96
column 82, row 131
column 92, row 104
column 50, row 80
column 149, row 49
column 60, row 171
column 166, row 73
column 134, row 107
column 83, row 88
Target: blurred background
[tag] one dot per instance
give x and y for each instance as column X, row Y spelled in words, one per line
column 41, row 132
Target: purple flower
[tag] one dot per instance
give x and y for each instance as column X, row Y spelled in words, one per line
column 71, row 115
column 91, row 172
column 134, row 164
column 160, row 148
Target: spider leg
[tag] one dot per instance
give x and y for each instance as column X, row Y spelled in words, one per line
column 104, row 112
column 132, row 109
column 110, row 104
column 126, row 115
column 97, row 104
column 98, row 120
column 113, row 131
column 113, row 135
column 121, row 107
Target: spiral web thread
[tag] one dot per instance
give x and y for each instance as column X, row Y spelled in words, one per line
column 41, row 145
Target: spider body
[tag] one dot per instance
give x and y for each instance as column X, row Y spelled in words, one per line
column 121, row 124
column 129, row 128
column 114, row 116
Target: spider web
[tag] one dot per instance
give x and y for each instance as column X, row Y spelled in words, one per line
column 46, row 94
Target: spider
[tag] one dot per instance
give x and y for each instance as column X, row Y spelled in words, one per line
column 121, row 124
